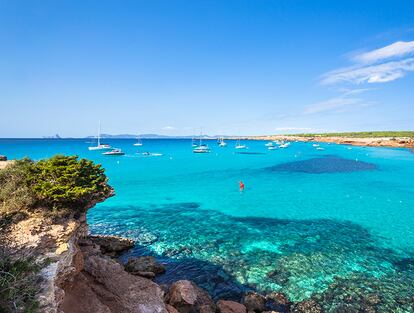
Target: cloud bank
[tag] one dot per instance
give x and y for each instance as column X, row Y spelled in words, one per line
column 377, row 66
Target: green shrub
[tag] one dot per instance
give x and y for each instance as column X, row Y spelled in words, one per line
column 18, row 284
column 15, row 192
column 66, row 182
column 61, row 184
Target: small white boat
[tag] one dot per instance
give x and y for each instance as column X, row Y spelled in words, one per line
column 272, row 148
column 284, row 146
column 138, row 143
column 114, row 152
column 239, row 145
column 201, row 149
column 320, row 148
column 222, row 143
column 151, row 154
column 99, row 145
column 315, row 145
column 269, row 144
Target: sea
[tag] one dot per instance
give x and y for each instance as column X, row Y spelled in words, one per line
column 334, row 224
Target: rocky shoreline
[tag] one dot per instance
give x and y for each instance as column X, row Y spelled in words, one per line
column 391, row 142
column 83, row 274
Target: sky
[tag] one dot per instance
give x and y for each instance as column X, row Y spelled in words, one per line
column 226, row 67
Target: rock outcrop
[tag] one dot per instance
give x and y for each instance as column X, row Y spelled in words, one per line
column 224, row 306
column 186, row 297
column 146, row 266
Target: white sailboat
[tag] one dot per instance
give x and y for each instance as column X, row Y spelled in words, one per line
column 239, row 145
column 138, row 143
column 100, row 146
column 222, row 143
column 201, row 148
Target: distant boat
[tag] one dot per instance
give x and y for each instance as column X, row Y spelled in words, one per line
column 315, row 145
column 271, row 147
column 320, row 148
column 114, row 152
column 239, row 145
column 285, row 145
column 100, row 146
column 138, row 143
column 201, row 148
column 269, row 144
column 222, row 143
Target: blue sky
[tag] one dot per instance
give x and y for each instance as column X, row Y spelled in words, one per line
column 230, row 67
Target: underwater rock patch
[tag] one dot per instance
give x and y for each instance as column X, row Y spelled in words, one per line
column 326, row 164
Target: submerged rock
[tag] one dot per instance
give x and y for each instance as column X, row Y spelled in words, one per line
column 230, row 307
column 112, row 245
column 307, row 306
column 277, row 301
column 254, row 302
column 186, row 297
column 144, row 265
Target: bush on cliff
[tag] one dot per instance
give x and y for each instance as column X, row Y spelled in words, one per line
column 59, row 185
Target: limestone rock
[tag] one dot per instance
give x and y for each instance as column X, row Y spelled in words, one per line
column 144, row 264
column 186, row 297
column 112, row 245
column 230, row 307
column 254, row 302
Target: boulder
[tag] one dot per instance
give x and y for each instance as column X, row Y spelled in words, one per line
column 144, row 264
column 254, row 302
column 112, row 245
column 307, row 306
column 3, row 158
column 230, row 307
column 277, row 301
column 186, row 297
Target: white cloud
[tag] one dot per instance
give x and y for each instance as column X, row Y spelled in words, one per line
column 378, row 73
column 338, row 104
column 377, row 66
column 168, row 128
column 397, row 49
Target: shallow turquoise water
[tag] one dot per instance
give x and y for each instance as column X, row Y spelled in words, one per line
column 309, row 222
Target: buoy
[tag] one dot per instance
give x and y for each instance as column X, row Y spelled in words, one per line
column 241, row 186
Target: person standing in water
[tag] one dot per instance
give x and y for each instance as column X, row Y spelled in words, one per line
column 241, row 186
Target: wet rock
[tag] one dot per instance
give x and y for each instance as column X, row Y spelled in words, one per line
column 112, row 245
column 277, row 301
column 307, row 306
column 254, row 302
column 230, row 307
column 144, row 265
column 186, row 297
column 171, row 309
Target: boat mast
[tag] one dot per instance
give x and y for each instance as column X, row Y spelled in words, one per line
column 99, row 134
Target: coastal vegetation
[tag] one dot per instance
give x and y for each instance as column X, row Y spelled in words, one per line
column 371, row 134
column 57, row 187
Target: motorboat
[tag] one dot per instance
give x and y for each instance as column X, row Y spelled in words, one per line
column 114, row 152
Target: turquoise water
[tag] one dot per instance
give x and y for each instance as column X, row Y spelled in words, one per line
column 322, row 224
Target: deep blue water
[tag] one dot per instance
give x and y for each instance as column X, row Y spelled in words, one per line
column 309, row 222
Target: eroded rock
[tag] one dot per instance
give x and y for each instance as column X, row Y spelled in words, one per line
column 230, row 307
column 186, row 297
column 254, row 302
column 144, row 264
column 112, row 245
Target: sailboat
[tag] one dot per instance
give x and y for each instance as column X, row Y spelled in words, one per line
column 100, row 146
column 239, row 145
column 222, row 143
column 138, row 143
column 201, row 148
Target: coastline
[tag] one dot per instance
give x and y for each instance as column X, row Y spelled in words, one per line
column 390, row 142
